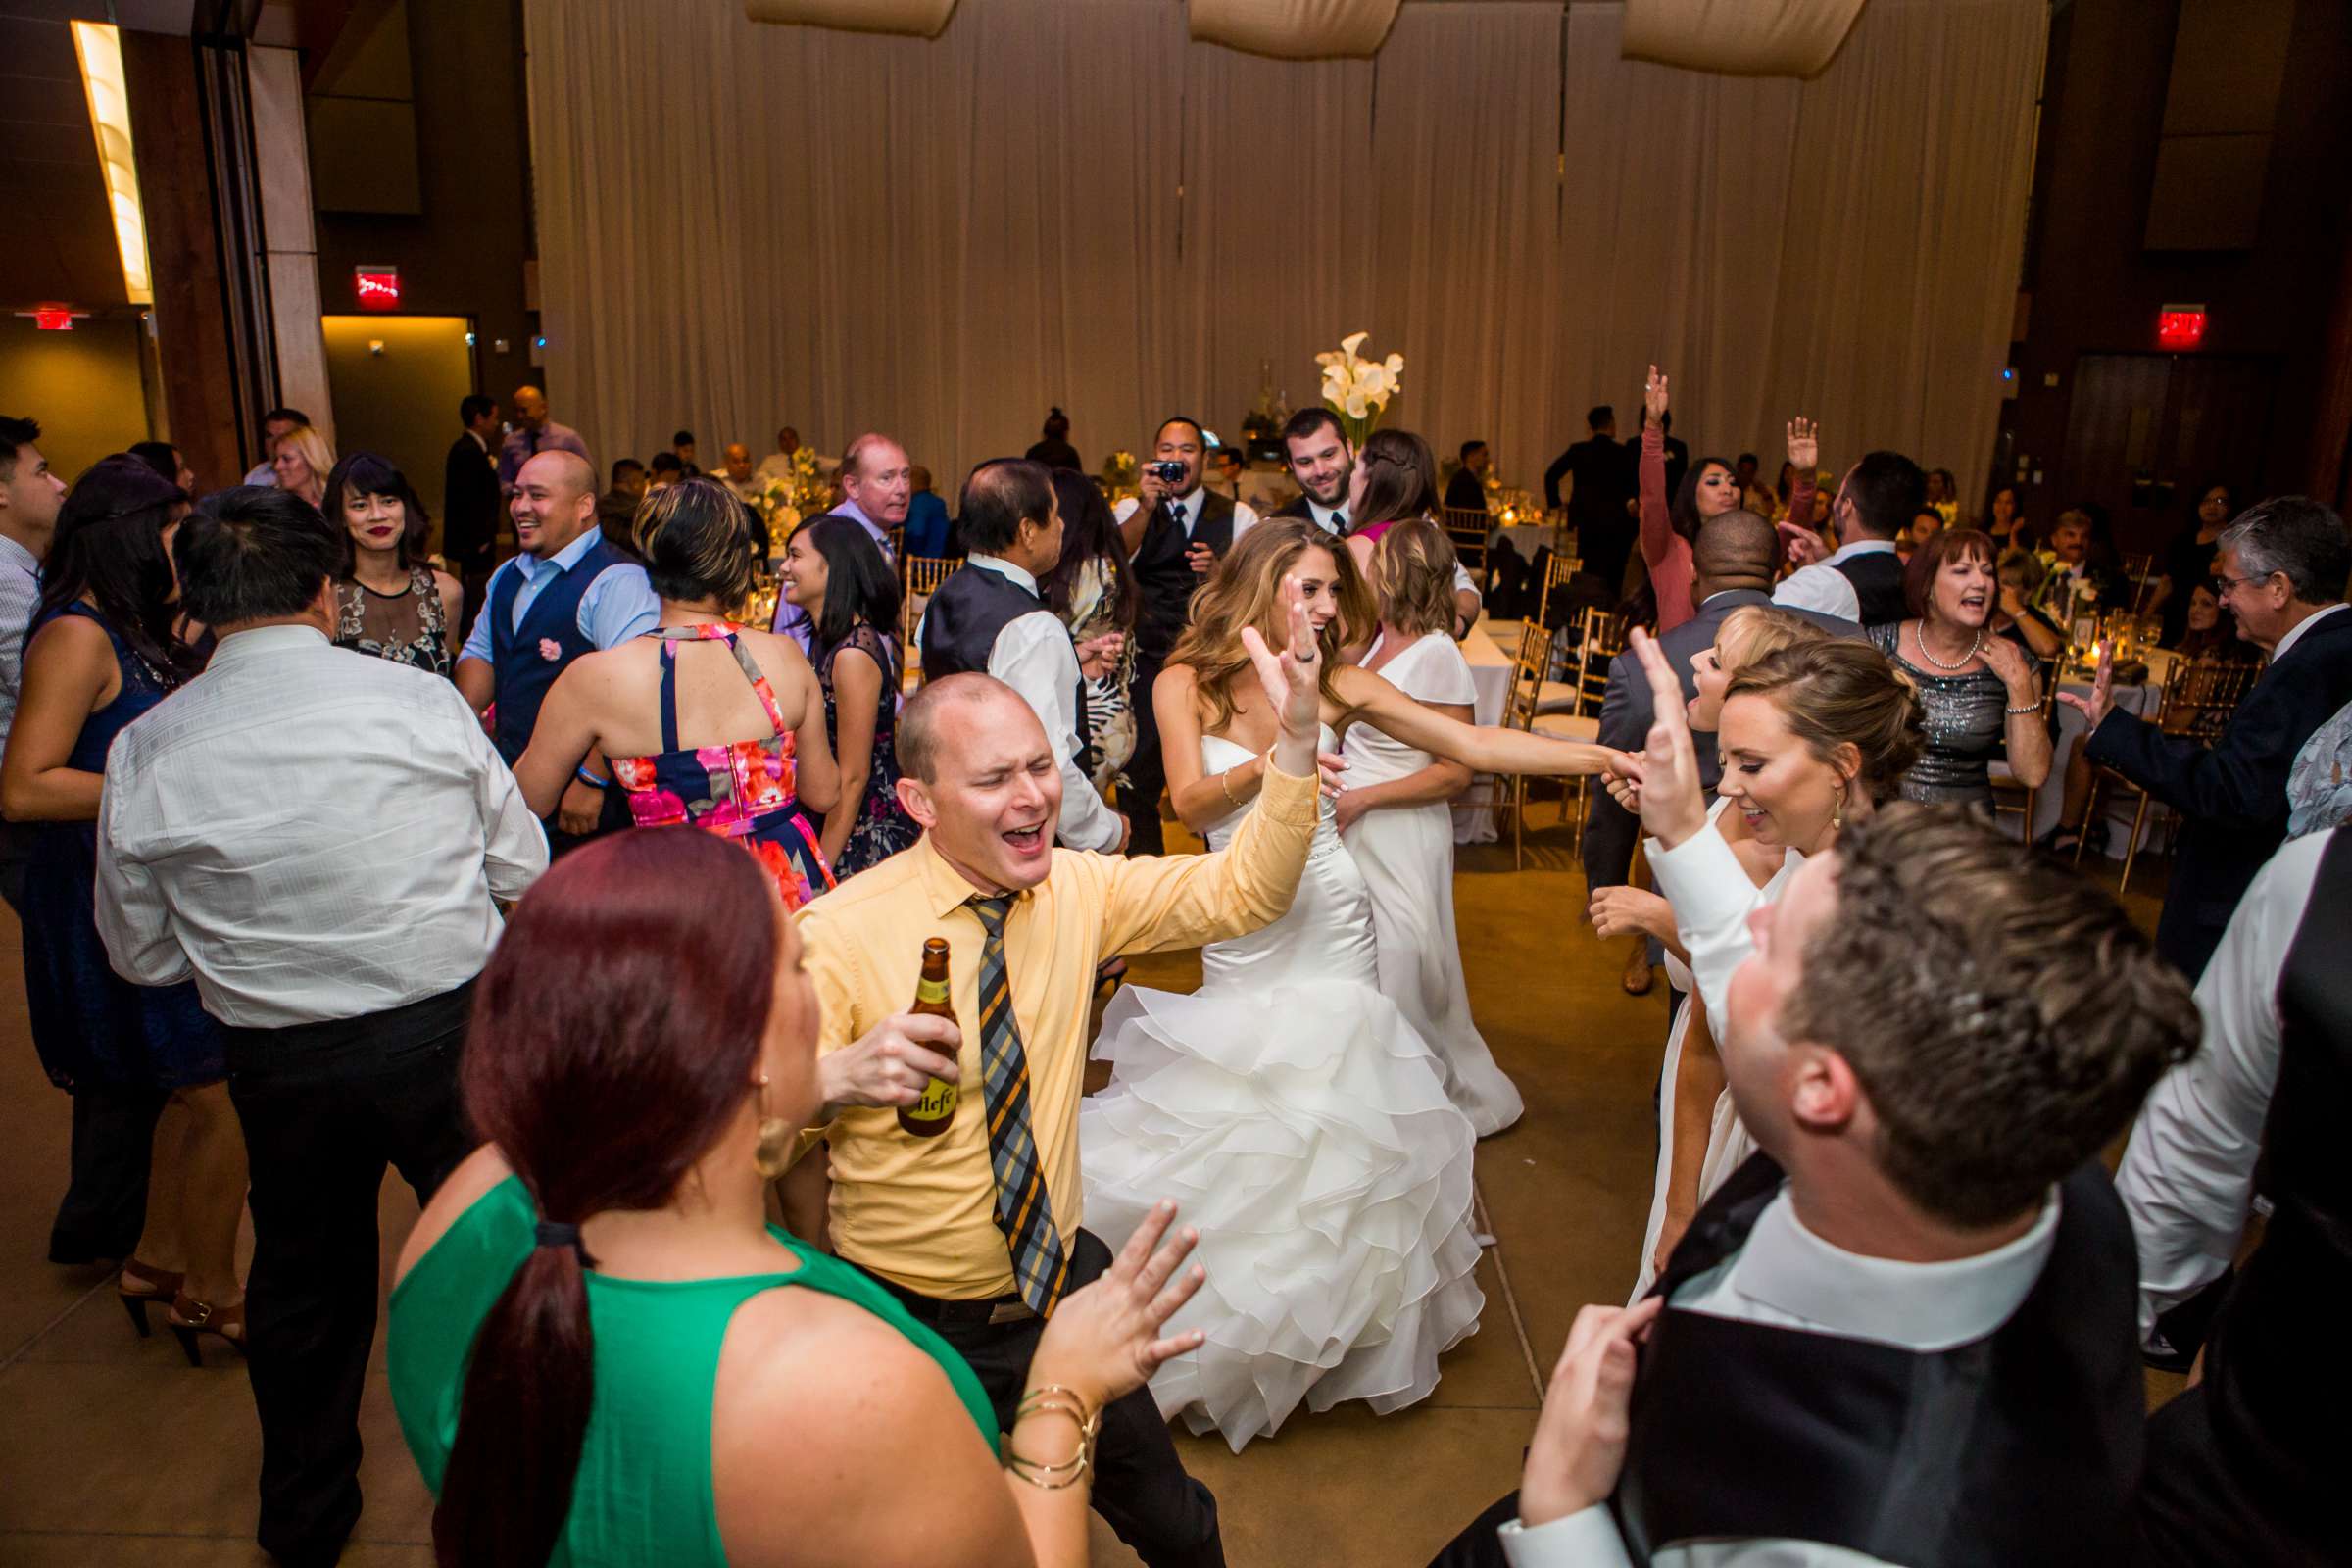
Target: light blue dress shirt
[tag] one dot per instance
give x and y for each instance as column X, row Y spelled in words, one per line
column 618, row 605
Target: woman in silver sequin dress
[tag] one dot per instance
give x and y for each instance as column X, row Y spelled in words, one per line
column 1978, row 690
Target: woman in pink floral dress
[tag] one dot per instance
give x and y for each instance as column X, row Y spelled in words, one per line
column 731, row 741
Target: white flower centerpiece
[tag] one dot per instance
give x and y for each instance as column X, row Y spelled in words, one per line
column 1357, row 390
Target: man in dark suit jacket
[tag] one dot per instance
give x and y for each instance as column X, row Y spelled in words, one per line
column 1677, row 456
column 471, row 501
column 2282, row 567
column 1604, row 474
column 1734, row 561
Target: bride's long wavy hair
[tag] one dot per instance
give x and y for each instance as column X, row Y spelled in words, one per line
column 1246, row 590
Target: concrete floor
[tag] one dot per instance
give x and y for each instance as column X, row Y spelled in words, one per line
column 123, row 1455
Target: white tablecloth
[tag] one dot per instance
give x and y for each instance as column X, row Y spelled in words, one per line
column 2071, row 729
column 1491, row 680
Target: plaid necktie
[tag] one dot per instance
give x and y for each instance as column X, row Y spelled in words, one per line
column 1025, row 1210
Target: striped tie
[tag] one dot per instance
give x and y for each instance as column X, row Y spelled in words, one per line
column 1025, row 1210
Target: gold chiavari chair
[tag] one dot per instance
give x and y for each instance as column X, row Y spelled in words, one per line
column 1467, row 529
column 919, row 578
column 2197, row 704
column 2010, row 796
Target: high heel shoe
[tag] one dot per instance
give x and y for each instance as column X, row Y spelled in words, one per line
column 190, row 1320
column 156, row 1285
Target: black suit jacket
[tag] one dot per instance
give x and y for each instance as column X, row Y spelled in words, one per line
column 469, row 502
column 1626, row 712
column 2233, row 796
column 1604, row 480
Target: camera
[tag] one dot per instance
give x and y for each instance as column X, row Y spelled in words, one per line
column 1166, row 472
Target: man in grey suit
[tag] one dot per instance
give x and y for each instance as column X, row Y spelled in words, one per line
column 1732, row 562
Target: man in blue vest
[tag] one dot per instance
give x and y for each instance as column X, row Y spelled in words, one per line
column 566, row 594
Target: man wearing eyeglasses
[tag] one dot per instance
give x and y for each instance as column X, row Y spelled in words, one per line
column 2280, row 571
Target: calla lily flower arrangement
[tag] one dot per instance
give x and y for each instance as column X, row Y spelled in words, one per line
column 1357, row 390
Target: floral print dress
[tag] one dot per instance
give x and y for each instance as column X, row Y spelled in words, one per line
column 883, row 827
column 746, row 790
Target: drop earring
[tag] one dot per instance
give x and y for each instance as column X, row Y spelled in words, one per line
column 769, row 1158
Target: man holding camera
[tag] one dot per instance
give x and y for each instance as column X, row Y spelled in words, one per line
column 1174, row 534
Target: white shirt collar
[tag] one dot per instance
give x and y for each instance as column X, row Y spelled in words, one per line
column 1331, row 520
column 478, row 438
column 1002, row 568
column 1188, row 511
column 1924, row 1307
column 260, row 642
column 16, row 554
column 2301, row 626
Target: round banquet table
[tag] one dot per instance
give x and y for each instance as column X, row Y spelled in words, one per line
column 2047, row 801
column 1491, row 684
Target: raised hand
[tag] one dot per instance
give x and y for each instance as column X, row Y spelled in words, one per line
column 2095, row 707
column 1673, row 805
column 1804, row 443
column 1581, row 1436
column 1102, row 1341
column 2007, row 661
column 1653, row 400
column 1801, row 543
column 1292, row 679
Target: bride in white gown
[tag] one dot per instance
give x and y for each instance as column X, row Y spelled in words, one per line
column 1288, row 1105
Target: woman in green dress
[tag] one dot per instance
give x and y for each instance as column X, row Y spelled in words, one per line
column 602, row 1353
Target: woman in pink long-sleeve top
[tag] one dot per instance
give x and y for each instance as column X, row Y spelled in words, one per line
column 1709, row 490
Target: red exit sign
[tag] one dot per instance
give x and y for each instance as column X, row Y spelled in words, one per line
column 2181, row 326
column 378, row 287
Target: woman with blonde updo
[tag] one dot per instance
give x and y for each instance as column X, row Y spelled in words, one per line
column 1327, row 1168
column 1815, row 732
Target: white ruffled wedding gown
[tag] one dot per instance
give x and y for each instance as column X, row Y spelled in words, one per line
column 1304, row 1128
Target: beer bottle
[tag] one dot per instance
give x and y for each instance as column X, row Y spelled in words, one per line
column 930, row 1115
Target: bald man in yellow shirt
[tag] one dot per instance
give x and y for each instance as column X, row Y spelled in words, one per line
column 977, row 1230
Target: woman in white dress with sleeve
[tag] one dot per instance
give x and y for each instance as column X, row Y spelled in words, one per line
column 1288, row 1104
column 1394, row 817
column 1813, row 736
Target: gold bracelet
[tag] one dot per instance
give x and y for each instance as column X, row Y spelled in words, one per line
column 1054, row 1399
column 1225, row 783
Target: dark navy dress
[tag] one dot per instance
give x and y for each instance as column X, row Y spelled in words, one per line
column 89, row 1024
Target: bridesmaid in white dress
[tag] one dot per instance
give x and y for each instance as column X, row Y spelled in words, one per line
column 1813, row 736
column 1393, row 817
column 1288, row 1105
column 1700, row 1141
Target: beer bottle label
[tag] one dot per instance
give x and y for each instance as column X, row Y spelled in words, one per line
column 937, row 1103
column 931, row 993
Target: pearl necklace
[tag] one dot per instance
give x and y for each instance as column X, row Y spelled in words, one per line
column 1919, row 635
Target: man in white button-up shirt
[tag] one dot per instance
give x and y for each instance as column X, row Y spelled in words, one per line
column 29, row 498
column 1926, row 1248
column 317, row 837
column 1013, row 528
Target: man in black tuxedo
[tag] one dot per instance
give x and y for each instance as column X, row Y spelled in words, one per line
column 1174, row 534
column 2282, row 567
column 1734, row 561
column 471, row 502
column 1603, row 472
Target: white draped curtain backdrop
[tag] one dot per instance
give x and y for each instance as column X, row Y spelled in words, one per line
column 1069, row 202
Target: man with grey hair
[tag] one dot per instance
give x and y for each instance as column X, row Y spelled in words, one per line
column 876, row 484
column 2281, row 569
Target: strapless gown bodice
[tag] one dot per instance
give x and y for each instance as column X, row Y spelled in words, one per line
column 1328, row 933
